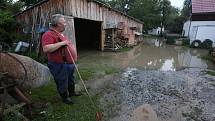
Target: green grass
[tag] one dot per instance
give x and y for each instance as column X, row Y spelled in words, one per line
column 125, row 49
column 207, row 57
column 96, row 70
column 82, row 110
column 49, row 106
column 55, row 110
column 212, row 73
column 153, row 37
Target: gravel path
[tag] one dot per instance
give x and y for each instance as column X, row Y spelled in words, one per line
column 186, row 95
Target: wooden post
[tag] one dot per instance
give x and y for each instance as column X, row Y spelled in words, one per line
column 102, row 36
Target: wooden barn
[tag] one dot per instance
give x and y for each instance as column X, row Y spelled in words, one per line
column 90, row 24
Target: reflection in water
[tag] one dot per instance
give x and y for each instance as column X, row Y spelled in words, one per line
column 168, row 65
column 158, row 43
column 148, row 57
column 186, row 59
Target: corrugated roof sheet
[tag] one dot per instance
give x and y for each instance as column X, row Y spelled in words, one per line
column 203, row 6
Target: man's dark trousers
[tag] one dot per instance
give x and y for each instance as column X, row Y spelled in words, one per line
column 63, row 74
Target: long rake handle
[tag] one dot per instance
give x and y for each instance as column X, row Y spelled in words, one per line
column 82, row 81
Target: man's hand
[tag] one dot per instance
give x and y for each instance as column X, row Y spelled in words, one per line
column 65, row 43
column 53, row 47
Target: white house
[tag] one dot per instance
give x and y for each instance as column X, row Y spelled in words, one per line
column 201, row 27
column 155, row 31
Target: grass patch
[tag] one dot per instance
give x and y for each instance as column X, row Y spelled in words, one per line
column 125, row 49
column 82, row 110
column 55, row 110
column 171, row 39
column 86, row 73
column 153, row 37
column 94, row 70
column 212, row 73
column 207, row 57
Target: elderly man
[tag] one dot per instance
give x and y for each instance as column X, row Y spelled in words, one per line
column 61, row 57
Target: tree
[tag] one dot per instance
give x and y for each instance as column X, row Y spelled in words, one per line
column 154, row 13
column 165, row 6
column 8, row 24
column 29, row 3
column 176, row 23
column 147, row 11
column 186, row 11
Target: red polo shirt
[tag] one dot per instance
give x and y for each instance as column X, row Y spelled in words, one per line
column 52, row 37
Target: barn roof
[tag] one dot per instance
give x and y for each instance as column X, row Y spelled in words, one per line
column 100, row 3
column 203, row 6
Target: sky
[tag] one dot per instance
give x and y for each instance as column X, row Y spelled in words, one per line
column 177, row 3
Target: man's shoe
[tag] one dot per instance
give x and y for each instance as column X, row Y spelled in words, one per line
column 67, row 100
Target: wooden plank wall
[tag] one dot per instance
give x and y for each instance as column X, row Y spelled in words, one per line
column 76, row 8
column 85, row 9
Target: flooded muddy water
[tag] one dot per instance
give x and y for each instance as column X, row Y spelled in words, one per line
column 150, row 55
column 158, row 82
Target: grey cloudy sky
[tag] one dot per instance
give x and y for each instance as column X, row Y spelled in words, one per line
column 177, row 3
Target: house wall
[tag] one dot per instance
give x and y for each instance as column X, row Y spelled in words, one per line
column 199, row 30
column 156, row 31
column 40, row 15
column 186, row 28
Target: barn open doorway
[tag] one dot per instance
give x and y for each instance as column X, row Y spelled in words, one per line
column 88, row 34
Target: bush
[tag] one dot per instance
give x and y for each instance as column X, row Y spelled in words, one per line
column 8, row 26
column 185, row 41
column 42, row 59
column 171, row 39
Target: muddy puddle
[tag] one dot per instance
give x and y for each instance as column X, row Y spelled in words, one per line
column 150, row 55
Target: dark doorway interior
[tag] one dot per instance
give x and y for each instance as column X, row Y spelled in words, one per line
column 88, row 34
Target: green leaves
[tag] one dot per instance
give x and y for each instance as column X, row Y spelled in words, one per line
column 154, row 13
column 8, row 24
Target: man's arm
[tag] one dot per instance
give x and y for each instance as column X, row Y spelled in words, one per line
column 53, row 47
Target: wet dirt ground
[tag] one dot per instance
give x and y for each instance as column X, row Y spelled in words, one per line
column 158, row 82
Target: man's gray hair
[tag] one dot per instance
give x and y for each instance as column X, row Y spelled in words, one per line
column 55, row 19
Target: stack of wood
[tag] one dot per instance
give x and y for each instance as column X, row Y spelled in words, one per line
column 119, row 37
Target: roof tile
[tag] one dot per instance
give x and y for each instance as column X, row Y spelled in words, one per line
column 203, row 6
